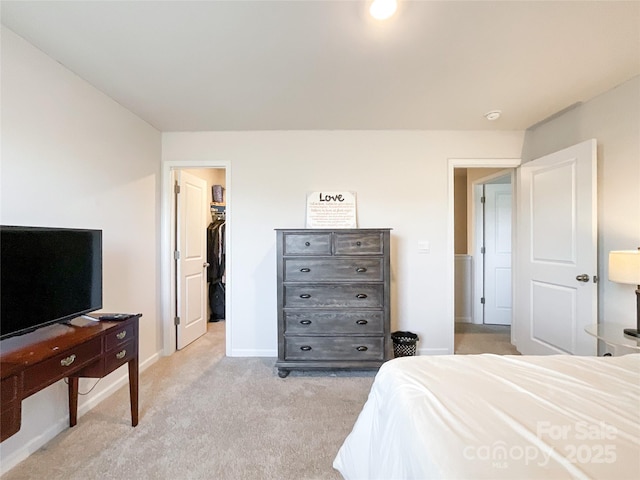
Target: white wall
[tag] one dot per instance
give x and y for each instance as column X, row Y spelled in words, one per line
column 401, row 181
column 612, row 118
column 72, row 157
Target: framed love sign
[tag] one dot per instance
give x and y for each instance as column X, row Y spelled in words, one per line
column 331, row 210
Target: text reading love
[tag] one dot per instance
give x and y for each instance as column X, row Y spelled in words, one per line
column 331, row 198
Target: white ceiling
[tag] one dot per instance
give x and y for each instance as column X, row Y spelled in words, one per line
column 301, row 64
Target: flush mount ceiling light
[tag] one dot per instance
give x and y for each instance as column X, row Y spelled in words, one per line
column 383, row 9
column 493, row 115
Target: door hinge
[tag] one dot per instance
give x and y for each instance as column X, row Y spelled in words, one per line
column 176, row 255
column 176, row 321
column 483, row 199
column 482, row 300
column 176, row 188
column 482, row 250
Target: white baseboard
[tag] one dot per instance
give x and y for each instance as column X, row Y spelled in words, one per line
column 434, row 351
column 244, row 352
column 118, row 382
column 33, row 445
column 62, row 423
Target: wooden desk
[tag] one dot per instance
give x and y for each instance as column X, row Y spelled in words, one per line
column 81, row 348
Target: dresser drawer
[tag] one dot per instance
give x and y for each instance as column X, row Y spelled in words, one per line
column 333, row 269
column 336, row 296
column 334, row 348
column 358, row 244
column 307, row 244
column 120, row 336
column 60, row 366
column 307, row 322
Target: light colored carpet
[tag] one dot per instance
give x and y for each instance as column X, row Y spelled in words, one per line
column 471, row 339
column 206, row 416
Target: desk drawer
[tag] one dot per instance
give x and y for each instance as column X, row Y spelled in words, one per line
column 60, row 366
column 119, row 356
column 11, row 409
column 120, row 336
column 9, row 389
column 334, row 348
column 333, row 269
column 334, row 296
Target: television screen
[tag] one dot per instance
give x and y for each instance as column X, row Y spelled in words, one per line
column 47, row 275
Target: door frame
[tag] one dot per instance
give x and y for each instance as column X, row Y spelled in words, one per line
column 167, row 247
column 454, row 163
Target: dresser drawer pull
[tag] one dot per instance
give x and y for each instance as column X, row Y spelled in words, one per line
column 361, row 322
column 362, row 348
column 305, row 270
column 361, row 295
column 121, row 335
column 305, row 295
column 65, row 362
column 305, row 322
column 121, row 355
column 305, row 348
column 307, row 244
column 361, row 269
column 358, row 243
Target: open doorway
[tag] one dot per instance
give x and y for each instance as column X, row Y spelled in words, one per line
column 200, row 256
column 482, row 215
column 194, row 252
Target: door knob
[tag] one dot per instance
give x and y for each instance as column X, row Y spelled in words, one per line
column 583, row 278
column 205, row 265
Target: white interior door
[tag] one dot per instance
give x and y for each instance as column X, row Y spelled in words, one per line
column 497, row 256
column 556, row 294
column 191, row 242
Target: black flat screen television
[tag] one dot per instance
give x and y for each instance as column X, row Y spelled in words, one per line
column 47, row 275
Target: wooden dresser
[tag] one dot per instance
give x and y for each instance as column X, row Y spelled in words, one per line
column 81, row 348
column 333, row 299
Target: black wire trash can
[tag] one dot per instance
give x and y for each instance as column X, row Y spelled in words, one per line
column 404, row 344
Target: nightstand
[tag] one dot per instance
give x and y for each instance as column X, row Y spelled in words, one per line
column 613, row 335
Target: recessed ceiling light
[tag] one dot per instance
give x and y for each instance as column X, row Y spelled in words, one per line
column 383, row 9
column 493, row 115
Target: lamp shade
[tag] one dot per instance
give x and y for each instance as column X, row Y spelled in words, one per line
column 624, row 266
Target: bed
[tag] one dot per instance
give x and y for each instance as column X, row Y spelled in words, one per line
column 498, row 417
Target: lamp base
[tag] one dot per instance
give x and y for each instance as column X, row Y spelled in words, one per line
column 635, row 332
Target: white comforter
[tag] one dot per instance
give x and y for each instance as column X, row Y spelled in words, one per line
column 491, row 417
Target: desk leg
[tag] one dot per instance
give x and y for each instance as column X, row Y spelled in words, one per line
column 73, row 401
column 133, row 389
